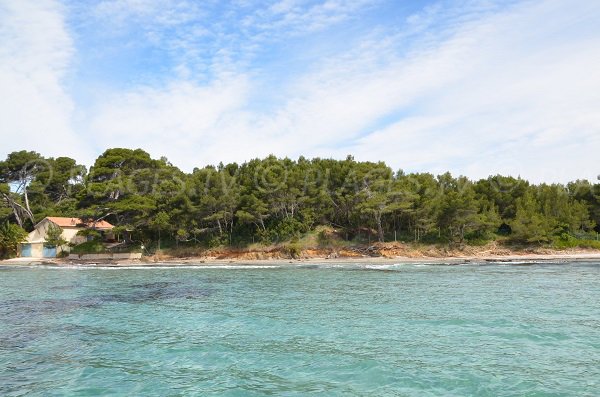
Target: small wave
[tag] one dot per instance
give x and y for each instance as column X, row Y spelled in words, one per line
column 509, row 262
column 335, row 266
column 388, row 267
column 233, row 267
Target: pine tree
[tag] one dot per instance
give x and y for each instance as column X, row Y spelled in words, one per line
column 529, row 224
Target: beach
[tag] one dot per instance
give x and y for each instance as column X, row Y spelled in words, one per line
column 569, row 256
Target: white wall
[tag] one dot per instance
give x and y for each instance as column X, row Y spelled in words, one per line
column 38, row 235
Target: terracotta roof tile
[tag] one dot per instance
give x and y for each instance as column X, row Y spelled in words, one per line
column 76, row 222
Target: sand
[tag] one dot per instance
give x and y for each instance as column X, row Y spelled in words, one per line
column 587, row 256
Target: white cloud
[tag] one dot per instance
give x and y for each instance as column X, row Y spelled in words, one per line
column 514, row 92
column 489, row 95
column 476, row 90
column 35, row 54
column 181, row 121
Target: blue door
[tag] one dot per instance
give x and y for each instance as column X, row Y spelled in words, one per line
column 26, row 250
column 49, row 252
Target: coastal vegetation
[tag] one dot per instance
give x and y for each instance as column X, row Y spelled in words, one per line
column 284, row 201
column 10, row 237
column 54, row 237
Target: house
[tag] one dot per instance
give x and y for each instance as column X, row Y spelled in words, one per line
column 34, row 247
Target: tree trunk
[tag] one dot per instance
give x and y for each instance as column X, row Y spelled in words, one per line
column 379, row 228
column 18, row 210
column 27, row 201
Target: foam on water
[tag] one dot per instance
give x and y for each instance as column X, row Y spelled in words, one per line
column 388, row 267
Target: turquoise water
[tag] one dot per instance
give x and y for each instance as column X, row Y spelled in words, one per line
column 410, row 330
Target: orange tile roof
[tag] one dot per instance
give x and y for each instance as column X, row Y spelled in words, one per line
column 77, row 222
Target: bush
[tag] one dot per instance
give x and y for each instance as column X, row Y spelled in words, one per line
column 323, row 238
column 478, row 242
column 479, row 238
column 293, row 249
column 286, row 229
column 90, row 234
column 218, row 241
column 185, row 252
column 568, row 241
column 10, row 237
column 89, row 247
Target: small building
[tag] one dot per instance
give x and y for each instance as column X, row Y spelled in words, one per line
column 34, row 247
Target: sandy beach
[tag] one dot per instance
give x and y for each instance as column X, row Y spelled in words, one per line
column 591, row 256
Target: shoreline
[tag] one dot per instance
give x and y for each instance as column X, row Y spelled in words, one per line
column 214, row 262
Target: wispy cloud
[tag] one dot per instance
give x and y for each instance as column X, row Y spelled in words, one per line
column 295, row 16
column 516, row 100
column 202, row 38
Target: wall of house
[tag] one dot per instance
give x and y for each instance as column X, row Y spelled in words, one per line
column 70, row 234
column 41, row 231
column 37, row 237
column 37, row 250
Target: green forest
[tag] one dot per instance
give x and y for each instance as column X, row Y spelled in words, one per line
column 274, row 200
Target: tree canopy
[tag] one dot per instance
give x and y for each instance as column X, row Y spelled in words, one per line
column 275, row 199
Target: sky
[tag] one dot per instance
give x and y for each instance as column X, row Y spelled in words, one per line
column 474, row 87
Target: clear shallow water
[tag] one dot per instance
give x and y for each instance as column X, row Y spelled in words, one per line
column 409, row 330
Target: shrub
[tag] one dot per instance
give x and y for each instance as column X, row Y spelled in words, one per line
column 323, row 238
column 90, row 234
column 288, row 228
column 218, row 241
column 89, row 247
column 568, row 241
column 10, row 237
column 293, row 249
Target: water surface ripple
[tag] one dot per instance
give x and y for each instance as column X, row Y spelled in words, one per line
column 356, row 330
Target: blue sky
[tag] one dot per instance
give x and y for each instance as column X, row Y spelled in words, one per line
column 477, row 87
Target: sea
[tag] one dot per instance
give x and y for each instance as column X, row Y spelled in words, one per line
column 473, row 329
